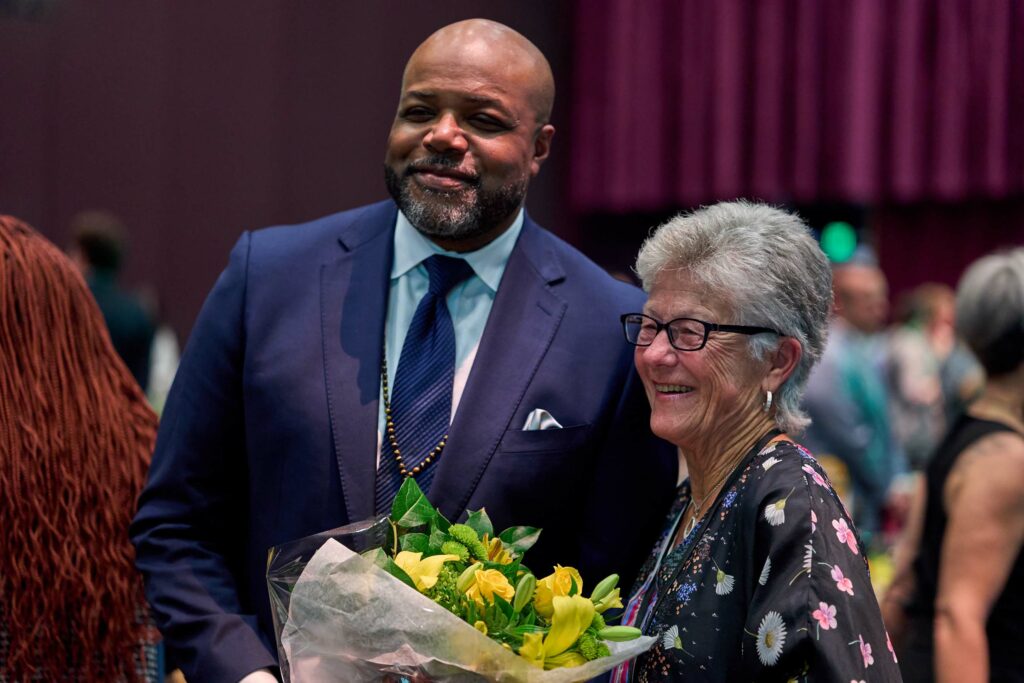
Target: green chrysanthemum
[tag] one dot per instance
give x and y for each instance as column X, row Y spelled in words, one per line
column 467, row 537
column 455, row 548
column 588, row 646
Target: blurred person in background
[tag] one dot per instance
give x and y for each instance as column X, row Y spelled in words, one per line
column 76, row 435
column 98, row 250
column 847, row 397
column 955, row 605
column 931, row 373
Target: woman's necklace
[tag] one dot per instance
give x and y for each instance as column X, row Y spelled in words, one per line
column 698, row 504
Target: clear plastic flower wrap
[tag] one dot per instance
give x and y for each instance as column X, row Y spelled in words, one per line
column 348, row 605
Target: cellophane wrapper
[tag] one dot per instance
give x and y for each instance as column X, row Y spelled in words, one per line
column 338, row 617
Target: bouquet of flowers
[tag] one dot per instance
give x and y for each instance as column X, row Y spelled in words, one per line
column 412, row 596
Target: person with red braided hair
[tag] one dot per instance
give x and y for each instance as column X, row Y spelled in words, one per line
column 76, row 436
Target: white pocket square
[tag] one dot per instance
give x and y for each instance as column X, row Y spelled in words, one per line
column 540, row 419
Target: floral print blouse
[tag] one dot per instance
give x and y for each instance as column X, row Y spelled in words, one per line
column 771, row 585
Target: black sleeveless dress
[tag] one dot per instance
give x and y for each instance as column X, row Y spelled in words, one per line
column 1005, row 626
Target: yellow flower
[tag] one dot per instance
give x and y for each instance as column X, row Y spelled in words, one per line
column 532, row 649
column 571, row 658
column 496, row 551
column 558, row 583
column 487, row 583
column 423, row 572
column 610, row 600
column 570, row 619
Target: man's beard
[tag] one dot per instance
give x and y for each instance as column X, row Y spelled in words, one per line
column 463, row 214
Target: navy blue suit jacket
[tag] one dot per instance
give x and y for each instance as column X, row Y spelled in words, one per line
column 270, row 430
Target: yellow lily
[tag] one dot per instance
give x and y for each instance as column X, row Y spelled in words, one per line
column 571, row 658
column 571, row 618
column 609, row 601
column 423, row 572
column 559, row 583
column 532, row 649
column 496, row 550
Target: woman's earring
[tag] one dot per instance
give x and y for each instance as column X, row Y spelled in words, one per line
column 768, row 401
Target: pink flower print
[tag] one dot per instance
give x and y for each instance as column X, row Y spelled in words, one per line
column 888, row 644
column 818, row 479
column 865, row 651
column 842, row 583
column 826, row 615
column 845, row 535
column 814, row 522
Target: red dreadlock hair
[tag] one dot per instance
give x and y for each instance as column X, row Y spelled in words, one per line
column 76, row 436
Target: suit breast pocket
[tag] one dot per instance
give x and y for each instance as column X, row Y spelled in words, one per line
column 566, row 440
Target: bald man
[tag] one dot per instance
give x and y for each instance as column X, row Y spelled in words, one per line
column 275, row 428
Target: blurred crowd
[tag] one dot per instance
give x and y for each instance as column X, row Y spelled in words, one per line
column 891, row 381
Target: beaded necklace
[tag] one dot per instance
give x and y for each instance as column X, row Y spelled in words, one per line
column 390, row 429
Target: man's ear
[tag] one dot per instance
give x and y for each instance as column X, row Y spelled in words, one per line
column 783, row 363
column 541, row 147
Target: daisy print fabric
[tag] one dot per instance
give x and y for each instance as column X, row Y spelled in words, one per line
column 772, row 585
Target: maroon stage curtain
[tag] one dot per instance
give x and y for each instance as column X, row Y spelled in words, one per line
column 679, row 102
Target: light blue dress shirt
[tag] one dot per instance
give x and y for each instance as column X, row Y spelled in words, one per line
column 469, row 303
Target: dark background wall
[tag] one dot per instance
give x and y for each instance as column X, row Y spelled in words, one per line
column 194, row 121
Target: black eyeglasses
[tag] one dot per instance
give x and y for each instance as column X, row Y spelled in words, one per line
column 684, row 334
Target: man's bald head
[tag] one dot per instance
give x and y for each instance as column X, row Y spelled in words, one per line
column 474, row 41
column 472, row 129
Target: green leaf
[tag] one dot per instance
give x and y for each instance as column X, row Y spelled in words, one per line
column 436, row 540
column 411, row 507
column 479, row 522
column 504, row 605
column 573, row 588
column 519, row 538
column 440, row 522
column 416, row 543
column 381, row 559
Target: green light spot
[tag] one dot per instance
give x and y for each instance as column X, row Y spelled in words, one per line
column 839, row 241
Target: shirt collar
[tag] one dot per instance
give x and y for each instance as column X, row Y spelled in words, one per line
column 488, row 262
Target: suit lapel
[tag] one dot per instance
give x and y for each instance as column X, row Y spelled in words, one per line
column 353, row 305
column 523, row 321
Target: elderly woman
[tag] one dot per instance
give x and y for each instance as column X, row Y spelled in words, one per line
column 963, row 593
column 759, row 574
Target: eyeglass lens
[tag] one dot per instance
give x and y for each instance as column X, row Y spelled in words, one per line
column 684, row 334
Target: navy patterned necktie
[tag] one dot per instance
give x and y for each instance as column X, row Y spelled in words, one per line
column 421, row 401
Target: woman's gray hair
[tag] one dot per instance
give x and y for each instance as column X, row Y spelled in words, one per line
column 765, row 264
column 990, row 310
